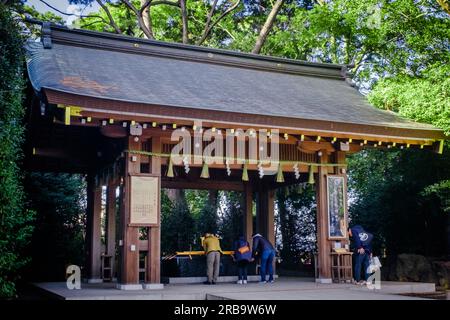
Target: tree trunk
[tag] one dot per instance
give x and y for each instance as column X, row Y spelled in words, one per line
column 184, row 20
column 147, row 19
column 212, row 197
column 267, row 26
column 176, row 195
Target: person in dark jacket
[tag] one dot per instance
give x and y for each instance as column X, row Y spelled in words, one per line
column 265, row 250
column 362, row 247
column 242, row 255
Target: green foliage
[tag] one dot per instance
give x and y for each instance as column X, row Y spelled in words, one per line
column 207, row 219
column 14, row 218
column 196, row 212
column 60, row 205
column 386, row 192
column 231, row 217
column 296, row 224
column 424, row 99
column 124, row 19
column 378, row 37
column 440, row 190
column 42, row 16
column 177, row 227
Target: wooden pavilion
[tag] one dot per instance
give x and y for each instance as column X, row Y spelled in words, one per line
column 106, row 105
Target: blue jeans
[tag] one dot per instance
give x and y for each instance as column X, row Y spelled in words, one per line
column 361, row 260
column 242, row 269
column 266, row 264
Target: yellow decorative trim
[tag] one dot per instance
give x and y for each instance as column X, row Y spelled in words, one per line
column 67, row 116
column 441, row 146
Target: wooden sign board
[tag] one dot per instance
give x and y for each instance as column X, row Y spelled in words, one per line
column 144, row 200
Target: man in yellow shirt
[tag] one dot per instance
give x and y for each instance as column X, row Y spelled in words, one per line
column 211, row 244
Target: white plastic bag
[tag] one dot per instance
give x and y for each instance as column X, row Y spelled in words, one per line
column 374, row 264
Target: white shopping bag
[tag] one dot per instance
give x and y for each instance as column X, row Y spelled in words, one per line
column 374, row 265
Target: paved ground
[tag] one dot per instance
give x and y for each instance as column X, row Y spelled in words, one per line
column 282, row 289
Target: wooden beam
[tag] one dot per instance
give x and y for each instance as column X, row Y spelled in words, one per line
column 116, row 131
column 248, row 212
column 154, row 240
column 323, row 246
column 270, row 216
column 111, row 224
column 108, row 108
column 93, row 229
column 265, row 215
column 130, row 248
column 313, row 146
column 340, row 157
column 202, row 184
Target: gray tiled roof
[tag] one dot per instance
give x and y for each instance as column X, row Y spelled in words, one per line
column 151, row 72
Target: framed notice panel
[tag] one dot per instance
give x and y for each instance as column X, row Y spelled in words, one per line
column 144, row 200
column 337, row 207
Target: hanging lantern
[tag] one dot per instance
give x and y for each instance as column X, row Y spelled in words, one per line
column 245, row 172
column 205, row 171
column 311, row 175
column 280, row 177
column 170, row 173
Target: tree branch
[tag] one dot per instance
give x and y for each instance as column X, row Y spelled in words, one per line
column 169, row 3
column 112, row 23
column 91, row 23
column 267, row 26
column 140, row 19
column 208, row 20
column 70, row 14
column 210, row 27
column 150, row 3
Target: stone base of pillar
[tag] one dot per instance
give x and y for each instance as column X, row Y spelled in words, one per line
column 122, row 286
column 152, row 286
column 94, row 280
column 324, row 280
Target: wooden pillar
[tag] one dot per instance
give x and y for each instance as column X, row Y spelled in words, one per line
column 340, row 158
column 260, row 212
column 130, row 242
column 93, row 230
column 270, row 222
column 154, row 238
column 265, row 214
column 111, row 224
column 323, row 246
column 248, row 212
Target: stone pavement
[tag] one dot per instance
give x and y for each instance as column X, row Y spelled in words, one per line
column 285, row 288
